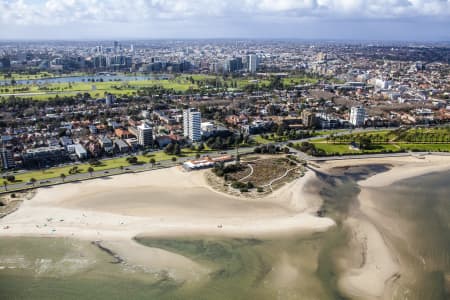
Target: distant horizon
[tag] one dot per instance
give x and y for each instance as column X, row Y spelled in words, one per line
column 243, row 39
column 373, row 20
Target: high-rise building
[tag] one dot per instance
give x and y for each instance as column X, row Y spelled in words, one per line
column 7, row 159
column 357, row 116
column 109, row 99
column 192, row 124
column 308, row 118
column 233, row 65
column 252, row 63
column 145, row 135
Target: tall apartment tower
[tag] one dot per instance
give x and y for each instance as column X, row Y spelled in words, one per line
column 145, row 135
column 109, row 99
column 192, row 124
column 308, row 118
column 252, row 63
column 357, row 116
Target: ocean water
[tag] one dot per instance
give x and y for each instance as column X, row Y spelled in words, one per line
column 291, row 266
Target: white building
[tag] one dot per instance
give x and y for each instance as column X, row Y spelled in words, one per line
column 145, row 135
column 80, row 151
column 109, row 99
column 252, row 63
column 192, row 124
column 357, row 116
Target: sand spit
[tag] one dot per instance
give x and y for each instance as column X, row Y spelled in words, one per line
column 380, row 267
column 154, row 260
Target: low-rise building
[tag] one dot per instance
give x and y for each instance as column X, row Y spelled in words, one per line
column 44, row 156
column 80, row 151
column 121, row 146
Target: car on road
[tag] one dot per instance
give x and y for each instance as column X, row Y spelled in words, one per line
column 44, row 181
column 106, row 172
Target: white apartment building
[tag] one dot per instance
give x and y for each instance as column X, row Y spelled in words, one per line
column 252, row 63
column 192, row 124
column 145, row 135
column 357, row 116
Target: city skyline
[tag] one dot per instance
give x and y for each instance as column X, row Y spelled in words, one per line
column 316, row 19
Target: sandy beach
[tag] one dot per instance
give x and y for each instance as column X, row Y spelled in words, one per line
column 380, row 266
column 171, row 202
column 167, row 202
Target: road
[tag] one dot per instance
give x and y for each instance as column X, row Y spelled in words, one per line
column 169, row 163
column 117, row 171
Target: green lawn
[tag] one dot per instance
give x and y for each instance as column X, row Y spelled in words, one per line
column 178, row 83
column 276, row 138
column 106, row 164
column 260, row 140
column 296, row 80
column 426, row 147
column 82, row 168
column 95, row 89
column 342, row 149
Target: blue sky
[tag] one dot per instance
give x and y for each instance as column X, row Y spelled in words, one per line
column 418, row 20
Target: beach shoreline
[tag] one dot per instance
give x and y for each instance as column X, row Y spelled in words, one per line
column 172, row 203
column 162, row 203
column 381, row 267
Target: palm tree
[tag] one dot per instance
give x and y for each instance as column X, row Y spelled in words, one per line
column 63, row 176
column 90, row 170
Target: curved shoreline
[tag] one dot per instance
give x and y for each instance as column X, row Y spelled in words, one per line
column 192, row 207
column 165, row 202
column 381, row 266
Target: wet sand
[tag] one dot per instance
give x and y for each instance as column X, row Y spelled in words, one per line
column 171, row 203
column 167, row 203
column 380, row 265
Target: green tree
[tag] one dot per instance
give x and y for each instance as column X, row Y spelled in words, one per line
column 62, row 176
column 90, row 170
column 177, row 149
column 152, row 162
column 33, row 181
column 169, row 148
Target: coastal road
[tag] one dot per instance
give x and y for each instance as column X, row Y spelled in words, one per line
column 169, row 163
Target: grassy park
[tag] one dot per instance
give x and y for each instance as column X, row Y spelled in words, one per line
column 105, row 164
column 183, row 83
column 386, row 141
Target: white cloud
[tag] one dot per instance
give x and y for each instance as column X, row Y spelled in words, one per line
column 137, row 11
